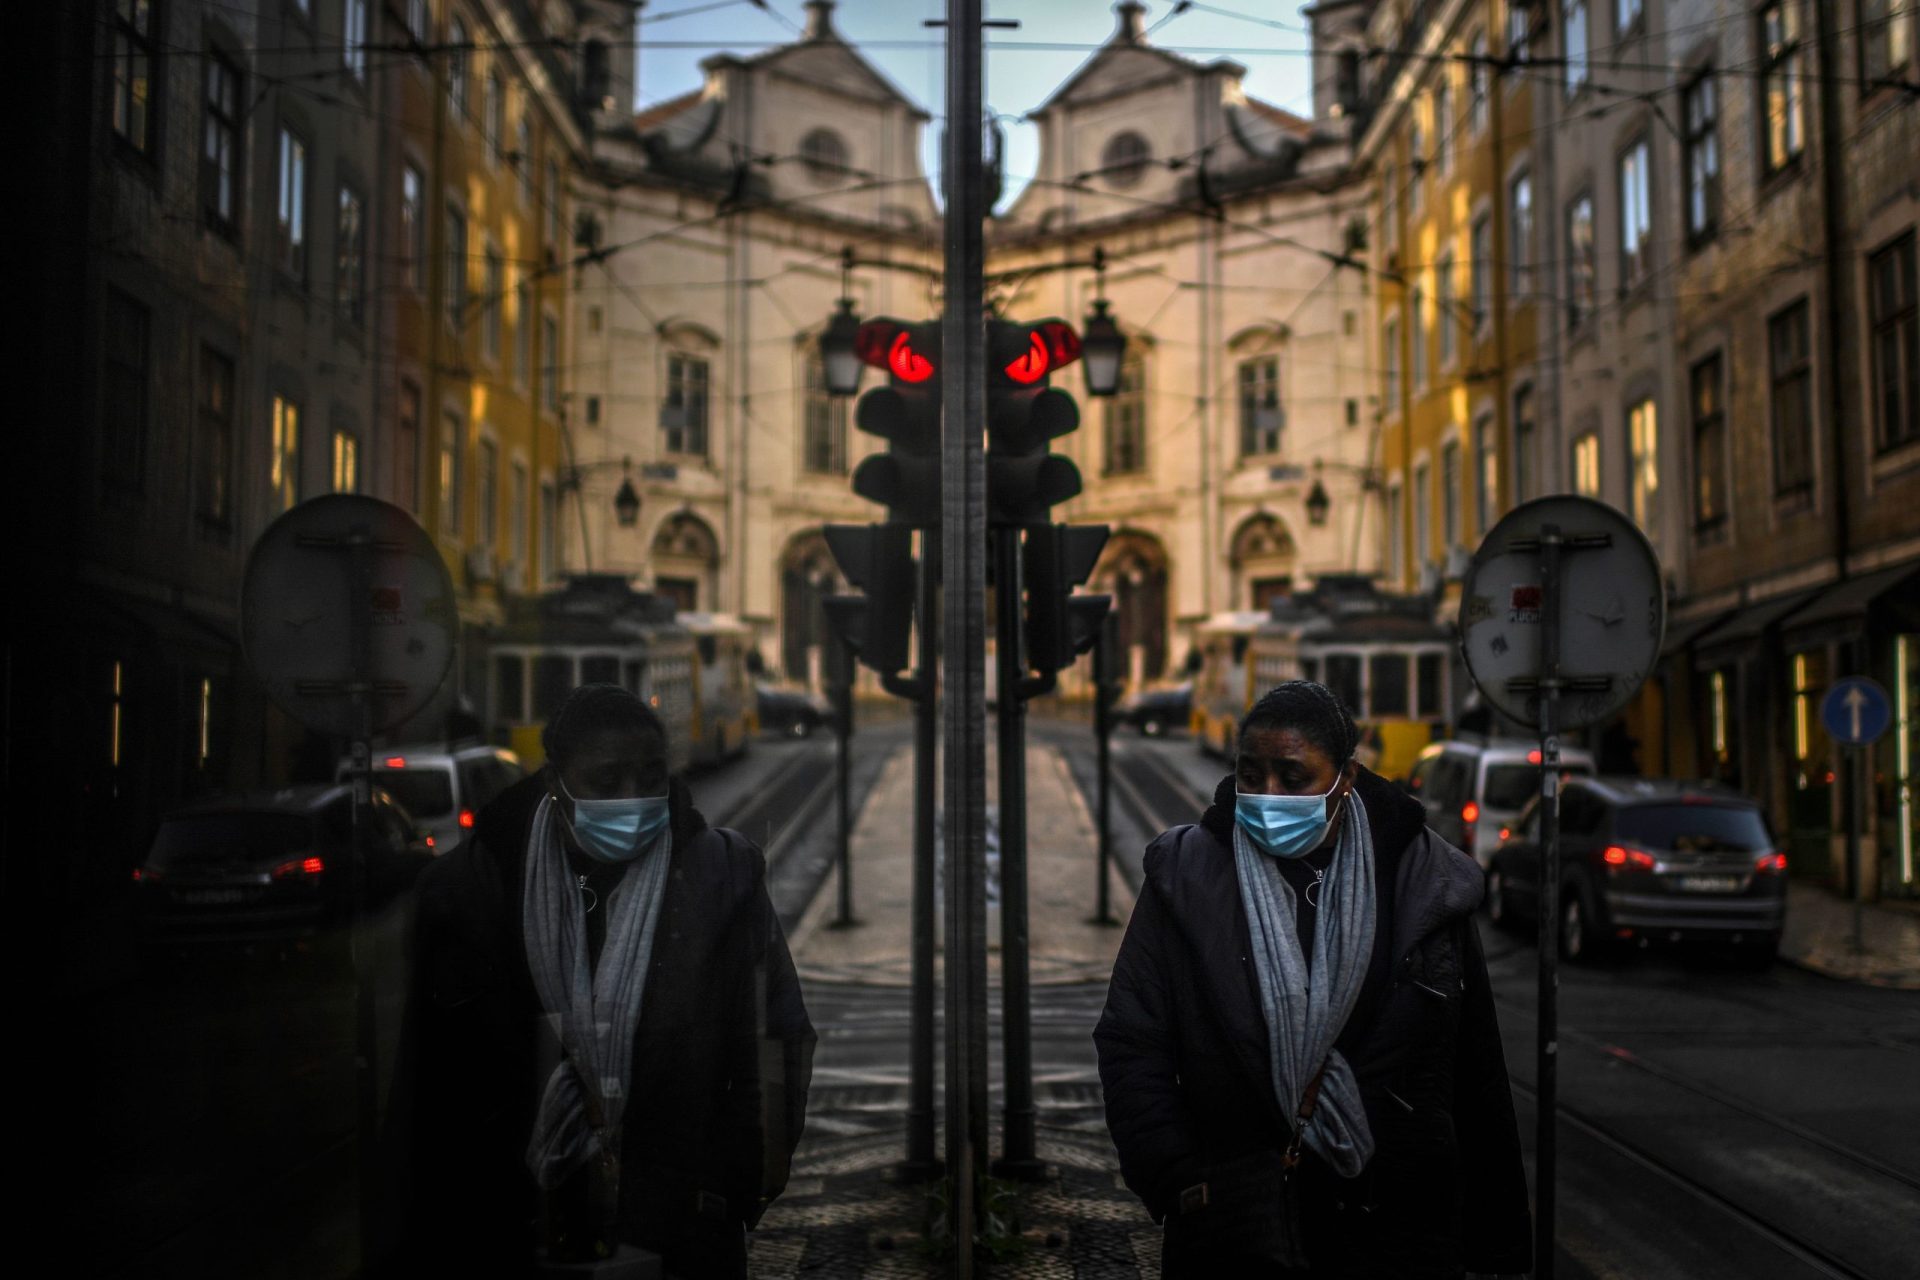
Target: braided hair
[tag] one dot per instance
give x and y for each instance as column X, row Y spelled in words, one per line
column 1311, row 710
column 595, row 709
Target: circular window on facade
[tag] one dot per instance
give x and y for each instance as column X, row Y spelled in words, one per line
column 1124, row 162
column 825, row 155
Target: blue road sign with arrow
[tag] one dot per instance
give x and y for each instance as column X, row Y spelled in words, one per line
column 1855, row 711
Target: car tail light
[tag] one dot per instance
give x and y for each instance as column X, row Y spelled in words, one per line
column 466, row 819
column 1533, row 756
column 143, row 874
column 299, row 867
column 1470, row 814
column 1770, row 863
column 1506, row 833
column 1616, row 855
column 429, row 842
column 396, row 762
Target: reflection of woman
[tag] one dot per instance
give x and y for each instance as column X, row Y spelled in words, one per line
column 1302, row 1071
column 607, row 1042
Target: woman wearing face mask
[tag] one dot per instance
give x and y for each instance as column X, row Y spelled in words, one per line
column 1302, row 1071
column 606, row 1043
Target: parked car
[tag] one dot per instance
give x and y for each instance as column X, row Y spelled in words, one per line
column 1157, row 711
column 271, row 866
column 1649, row 860
column 443, row 788
column 1472, row 789
column 791, row 711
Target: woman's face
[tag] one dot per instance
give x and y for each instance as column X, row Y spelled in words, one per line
column 615, row 765
column 1282, row 762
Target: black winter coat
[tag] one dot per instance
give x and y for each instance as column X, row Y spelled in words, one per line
column 722, row 1058
column 1184, row 1064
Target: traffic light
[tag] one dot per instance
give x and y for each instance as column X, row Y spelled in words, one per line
column 1061, row 625
column 906, row 414
column 878, row 559
column 1024, row 415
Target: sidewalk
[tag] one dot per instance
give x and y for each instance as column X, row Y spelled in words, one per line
column 1820, row 936
column 843, row 1215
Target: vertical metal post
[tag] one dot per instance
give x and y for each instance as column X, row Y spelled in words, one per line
column 1016, row 996
column 361, row 547
column 1547, row 1055
column 923, row 1161
column 1103, row 688
column 843, row 800
column 1854, row 768
column 963, row 479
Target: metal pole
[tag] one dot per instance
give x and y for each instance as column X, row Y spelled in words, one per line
column 361, row 547
column 843, row 801
column 923, row 1161
column 1103, row 682
column 1016, row 995
column 963, row 544
column 1547, row 1061
column 1855, row 766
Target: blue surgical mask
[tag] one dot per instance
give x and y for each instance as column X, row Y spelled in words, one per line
column 1284, row 826
column 617, row 830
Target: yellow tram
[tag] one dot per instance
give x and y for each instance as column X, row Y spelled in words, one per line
column 1382, row 654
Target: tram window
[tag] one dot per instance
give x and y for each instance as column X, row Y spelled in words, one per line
column 600, row 670
column 1387, row 683
column 1343, row 677
column 552, row 682
column 1239, row 650
column 709, row 648
column 510, row 686
column 634, row 672
column 1429, row 686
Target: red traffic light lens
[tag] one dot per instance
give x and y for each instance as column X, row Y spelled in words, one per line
column 1033, row 363
column 905, row 363
column 1063, row 344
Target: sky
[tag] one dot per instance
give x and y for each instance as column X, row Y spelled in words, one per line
column 1267, row 38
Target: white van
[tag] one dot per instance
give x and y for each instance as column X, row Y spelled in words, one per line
column 1474, row 789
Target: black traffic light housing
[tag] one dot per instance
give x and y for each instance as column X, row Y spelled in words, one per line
column 1024, row 416
column 878, row 559
column 1061, row 625
column 906, row 414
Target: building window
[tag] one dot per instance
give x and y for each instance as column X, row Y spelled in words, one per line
column 406, row 447
column 522, row 333
column 124, row 394
column 1790, row 373
column 346, row 461
column 220, row 149
column 136, row 107
column 495, row 116
column 1478, row 75
column 1444, row 122
column 1525, row 484
column 1700, row 106
column 213, row 458
column 283, row 452
column 1627, row 15
column 1717, row 717
column 417, row 19
column 1417, row 330
column 1574, row 18
column 556, row 223
column 683, row 415
column 1783, row 101
column 1390, row 355
column 523, row 155
column 1261, row 417
column 459, row 52
column 353, row 37
column 1446, row 310
column 1395, row 534
column 549, row 532
column 350, row 254
column 456, row 269
column 1519, row 32
column 1452, row 484
column 493, row 301
column 550, row 374
column 1886, row 41
column 1123, row 161
column 1896, row 344
column 1708, row 400
column 452, row 450
column 1480, row 272
column 1486, row 489
column 413, row 226
column 1636, row 216
column 1586, row 464
column 1520, row 233
column 1643, row 462
column 1582, row 269
column 1389, row 208
column 517, row 482
column 1126, row 422
column 290, row 221
column 593, row 411
column 1422, row 515
column 825, row 446
column 488, row 497
column 824, row 153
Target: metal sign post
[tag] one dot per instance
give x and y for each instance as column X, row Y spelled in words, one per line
column 1562, row 641
column 1855, row 712
column 843, row 803
column 923, row 1160
column 1104, row 689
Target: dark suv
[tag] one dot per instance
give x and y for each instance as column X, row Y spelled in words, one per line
column 1649, row 860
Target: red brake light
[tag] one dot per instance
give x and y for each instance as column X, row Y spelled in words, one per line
column 905, row 363
column 299, row 867
column 429, row 842
column 1620, row 856
column 396, row 762
column 1506, row 833
column 1471, row 813
column 141, row 874
column 1533, row 756
column 466, row 819
column 1770, row 863
column 1032, row 365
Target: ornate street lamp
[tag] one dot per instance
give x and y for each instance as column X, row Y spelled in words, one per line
column 626, row 502
column 838, row 353
column 1102, row 345
column 1317, row 504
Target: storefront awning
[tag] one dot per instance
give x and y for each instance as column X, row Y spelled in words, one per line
column 1843, row 607
column 1680, row 634
column 1746, row 626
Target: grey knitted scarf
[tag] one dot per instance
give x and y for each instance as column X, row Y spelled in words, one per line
column 1306, row 1010
column 593, row 1010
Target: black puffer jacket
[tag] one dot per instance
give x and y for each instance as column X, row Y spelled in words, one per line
column 1184, row 1063
column 722, row 1058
